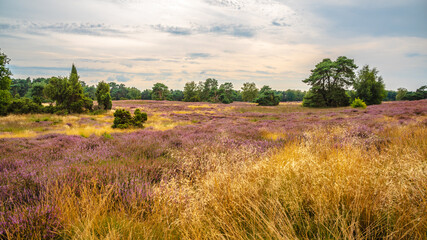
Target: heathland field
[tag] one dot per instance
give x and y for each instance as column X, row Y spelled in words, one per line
column 216, row 171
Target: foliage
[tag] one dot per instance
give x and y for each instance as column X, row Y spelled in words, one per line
column 118, row 91
column 369, row 86
column 134, row 93
column 5, row 96
column 291, row 95
column 24, row 106
column 249, row 92
column 88, row 91
column 209, row 90
column 68, row 93
column 123, row 119
column 176, row 95
column 358, row 103
column 37, row 92
column 139, row 118
column 103, row 95
column 420, row 93
column 313, row 99
column 5, row 100
column 401, row 93
column 296, row 173
column 390, row 96
column 267, row 97
column 160, row 92
column 146, row 94
column 328, row 82
column 20, row 86
column 225, row 93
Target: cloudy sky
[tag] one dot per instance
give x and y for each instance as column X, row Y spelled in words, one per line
column 269, row 42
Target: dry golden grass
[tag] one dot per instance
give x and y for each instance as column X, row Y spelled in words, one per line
column 22, row 126
column 309, row 189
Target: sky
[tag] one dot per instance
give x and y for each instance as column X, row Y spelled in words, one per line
column 269, row 42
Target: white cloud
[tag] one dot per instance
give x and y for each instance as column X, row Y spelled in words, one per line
column 269, row 42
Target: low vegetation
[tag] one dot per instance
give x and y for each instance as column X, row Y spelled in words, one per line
column 233, row 171
column 123, row 119
column 191, row 170
column 358, row 103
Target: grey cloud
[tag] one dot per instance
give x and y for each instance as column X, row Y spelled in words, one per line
column 198, row 55
column 145, row 59
column 231, row 30
column 413, row 55
column 71, row 28
column 226, row 3
column 80, row 28
column 119, row 78
column 280, row 23
column 6, row 26
column 262, row 72
column 172, row 29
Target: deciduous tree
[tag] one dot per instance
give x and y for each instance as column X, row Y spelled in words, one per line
column 369, row 86
column 249, row 92
column 103, row 95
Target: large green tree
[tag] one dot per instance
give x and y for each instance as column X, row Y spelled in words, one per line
column 68, row 93
column 37, row 92
column 249, row 92
column 369, row 86
column 209, row 92
column 5, row 96
column 328, row 81
column 225, row 93
column 134, row 93
column 401, row 93
column 191, row 93
column 160, row 92
column 103, row 95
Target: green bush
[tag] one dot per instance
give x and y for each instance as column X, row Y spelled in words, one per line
column 267, row 97
column 5, row 100
column 358, row 103
column 24, row 106
column 123, row 119
column 139, row 118
column 313, row 99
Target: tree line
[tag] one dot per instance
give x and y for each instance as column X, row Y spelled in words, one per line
column 329, row 80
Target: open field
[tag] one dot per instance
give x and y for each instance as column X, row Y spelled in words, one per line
column 216, row 171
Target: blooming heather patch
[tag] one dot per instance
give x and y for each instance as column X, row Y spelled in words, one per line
column 201, row 170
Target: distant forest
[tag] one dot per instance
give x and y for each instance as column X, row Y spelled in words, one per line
column 28, row 88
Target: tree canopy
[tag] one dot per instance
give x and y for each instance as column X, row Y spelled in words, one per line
column 68, row 93
column 267, row 97
column 160, row 92
column 328, row 81
column 249, row 92
column 103, row 95
column 5, row 96
column 369, row 86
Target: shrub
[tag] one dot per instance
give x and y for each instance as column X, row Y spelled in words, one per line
column 358, row 103
column 123, row 119
column 139, row 118
column 5, row 100
column 313, row 99
column 267, row 97
column 24, row 106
